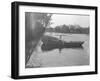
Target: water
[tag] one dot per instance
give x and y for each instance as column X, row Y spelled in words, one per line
column 67, row 56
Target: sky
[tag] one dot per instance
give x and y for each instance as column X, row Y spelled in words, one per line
column 81, row 20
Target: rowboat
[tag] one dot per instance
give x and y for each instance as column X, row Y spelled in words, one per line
column 50, row 43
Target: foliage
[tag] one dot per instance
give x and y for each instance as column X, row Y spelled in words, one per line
column 74, row 29
column 35, row 25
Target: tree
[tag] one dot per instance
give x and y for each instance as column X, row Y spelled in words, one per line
column 35, row 25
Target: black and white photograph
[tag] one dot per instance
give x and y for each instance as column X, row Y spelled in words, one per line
column 51, row 40
column 55, row 40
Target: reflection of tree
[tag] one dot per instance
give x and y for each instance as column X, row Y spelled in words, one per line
column 35, row 25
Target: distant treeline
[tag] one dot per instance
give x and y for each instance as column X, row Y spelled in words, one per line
column 74, row 29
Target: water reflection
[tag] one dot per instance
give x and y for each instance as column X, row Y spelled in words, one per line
column 57, row 54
